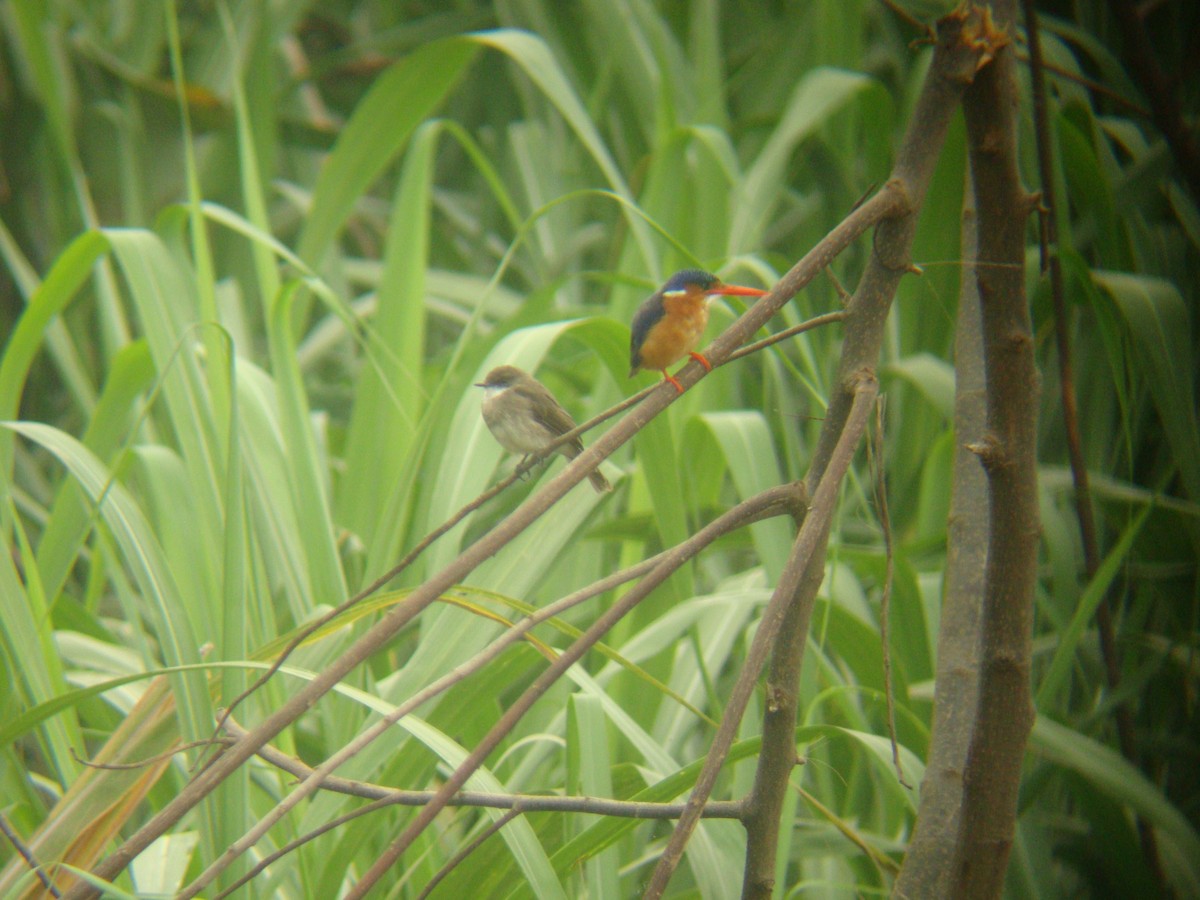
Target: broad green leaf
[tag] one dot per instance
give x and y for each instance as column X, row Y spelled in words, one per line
column 162, row 604
column 71, row 270
column 391, row 397
column 1109, row 772
column 1157, row 323
column 535, row 59
column 743, row 440
column 396, row 104
column 932, row 376
column 820, row 94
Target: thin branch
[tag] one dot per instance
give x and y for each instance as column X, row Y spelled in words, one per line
column 815, row 322
column 298, row 842
column 625, row 809
column 777, row 757
column 146, row 761
column 929, row 35
column 1092, row 85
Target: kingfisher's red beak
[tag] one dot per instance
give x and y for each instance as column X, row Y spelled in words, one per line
column 736, row 290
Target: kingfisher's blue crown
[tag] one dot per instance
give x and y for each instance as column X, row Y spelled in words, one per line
column 698, row 278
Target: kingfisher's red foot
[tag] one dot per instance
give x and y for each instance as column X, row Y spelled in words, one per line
column 700, row 358
column 673, row 380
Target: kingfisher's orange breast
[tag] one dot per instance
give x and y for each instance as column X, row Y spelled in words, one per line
column 677, row 333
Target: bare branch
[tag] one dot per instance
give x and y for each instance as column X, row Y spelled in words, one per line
column 927, row 869
column 1004, row 714
column 730, row 809
column 956, row 58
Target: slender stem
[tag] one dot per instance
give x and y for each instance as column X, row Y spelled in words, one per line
column 26, row 854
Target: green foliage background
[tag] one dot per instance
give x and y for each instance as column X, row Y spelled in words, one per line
column 255, row 256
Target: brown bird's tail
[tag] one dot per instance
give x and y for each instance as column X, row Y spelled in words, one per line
column 599, row 482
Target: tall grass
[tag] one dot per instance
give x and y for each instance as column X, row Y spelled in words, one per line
column 255, row 262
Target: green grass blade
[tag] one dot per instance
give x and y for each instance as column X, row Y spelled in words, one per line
column 1067, row 643
column 162, row 605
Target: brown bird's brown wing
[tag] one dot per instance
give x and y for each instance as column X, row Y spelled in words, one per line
column 551, row 416
column 557, row 420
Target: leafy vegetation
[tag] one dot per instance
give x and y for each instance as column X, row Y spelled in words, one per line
column 257, row 256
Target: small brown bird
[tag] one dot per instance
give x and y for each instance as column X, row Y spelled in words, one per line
column 523, row 416
column 671, row 321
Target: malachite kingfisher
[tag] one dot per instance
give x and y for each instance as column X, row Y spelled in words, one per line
column 523, row 416
column 669, row 324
